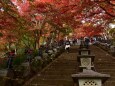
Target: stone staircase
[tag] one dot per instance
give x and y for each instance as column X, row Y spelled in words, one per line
column 58, row 73
column 104, row 63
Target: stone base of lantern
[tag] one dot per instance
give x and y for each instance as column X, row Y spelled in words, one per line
column 84, row 51
column 81, row 68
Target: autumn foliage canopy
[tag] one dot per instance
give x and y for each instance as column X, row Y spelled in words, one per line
column 84, row 17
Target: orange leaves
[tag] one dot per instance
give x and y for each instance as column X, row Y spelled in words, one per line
column 108, row 6
column 43, row 1
column 10, row 22
column 70, row 12
column 91, row 31
column 39, row 17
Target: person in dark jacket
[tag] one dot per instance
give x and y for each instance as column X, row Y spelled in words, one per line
column 11, row 56
column 87, row 41
column 40, row 52
column 29, row 52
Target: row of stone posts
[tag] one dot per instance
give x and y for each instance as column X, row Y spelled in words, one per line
column 87, row 76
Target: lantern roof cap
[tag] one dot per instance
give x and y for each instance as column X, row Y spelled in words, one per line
column 90, row 74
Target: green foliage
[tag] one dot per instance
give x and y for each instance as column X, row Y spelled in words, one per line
column 1, row 35
column 3, row 63
column 19, row 59
column 112, row 33
column 112, row 30
column 36, row 65
column 66, row 30
column 32, row 0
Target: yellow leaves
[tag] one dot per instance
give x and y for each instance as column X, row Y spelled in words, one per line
column 103, row 4
column 87, row 24
column 112, row 32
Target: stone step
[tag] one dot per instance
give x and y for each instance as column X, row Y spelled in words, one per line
column 52, row 81
column 66, row 84
column 65, row 63
column 109, row 83
column 63, row 67
column 58, row 72
column 99, row 68
column 107, row 70
column 104, row 65
column 40, row 79
column 60, row 69
column 54, row 76
column 112, row 73
column 104, row 61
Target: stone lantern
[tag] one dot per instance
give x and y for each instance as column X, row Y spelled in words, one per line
column 89, row 78
column 84, row 51
column 86, row 61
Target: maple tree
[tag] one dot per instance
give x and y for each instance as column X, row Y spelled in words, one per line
column 41, row 18
column 11, row 23
column 7, row 21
